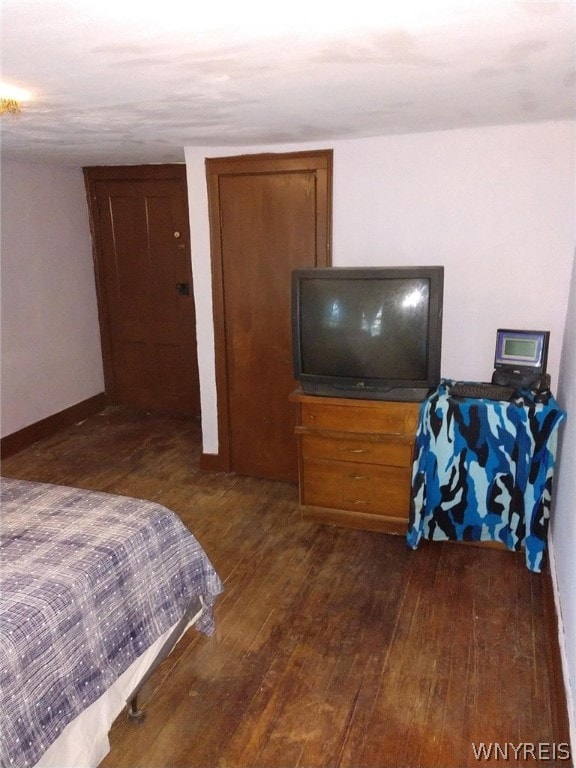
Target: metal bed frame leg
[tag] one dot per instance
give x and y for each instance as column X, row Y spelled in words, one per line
column 135, row 714
column 192, row 613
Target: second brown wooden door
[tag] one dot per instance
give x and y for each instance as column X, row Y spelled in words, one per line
column 269, row 216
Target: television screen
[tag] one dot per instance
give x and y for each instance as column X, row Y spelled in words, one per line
column 370, row 332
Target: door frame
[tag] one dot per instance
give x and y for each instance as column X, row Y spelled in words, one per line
column 93, row 175
column 312, row 160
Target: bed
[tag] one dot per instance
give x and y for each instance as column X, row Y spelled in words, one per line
column 96, row 589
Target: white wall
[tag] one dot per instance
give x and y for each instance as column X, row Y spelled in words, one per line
column 563, row 521
column 51, row 355
column 495, row 206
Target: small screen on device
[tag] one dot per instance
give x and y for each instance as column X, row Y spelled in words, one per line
column 520, row 348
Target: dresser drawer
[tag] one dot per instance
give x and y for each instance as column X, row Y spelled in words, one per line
column 357, row 487
column 355, row 461
column 392, row 451
column 394, row 419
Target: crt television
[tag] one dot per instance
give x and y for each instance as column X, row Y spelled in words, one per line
column 368, row 332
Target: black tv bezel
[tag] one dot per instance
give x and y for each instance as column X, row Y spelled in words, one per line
column 369, row 387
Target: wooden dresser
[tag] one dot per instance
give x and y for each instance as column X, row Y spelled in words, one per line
column 355, row 461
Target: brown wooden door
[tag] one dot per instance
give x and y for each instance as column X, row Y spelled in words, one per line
column 269, row 215
column 141, row 233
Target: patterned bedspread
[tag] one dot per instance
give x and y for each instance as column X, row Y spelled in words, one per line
column 89, row 581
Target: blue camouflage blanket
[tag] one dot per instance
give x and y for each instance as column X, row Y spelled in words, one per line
column 483, row 471
column 89, row 581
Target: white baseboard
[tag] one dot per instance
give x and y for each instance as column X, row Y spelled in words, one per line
column 571, row 704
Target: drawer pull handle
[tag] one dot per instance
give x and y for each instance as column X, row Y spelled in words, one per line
column 354, row 450
column 358, row 477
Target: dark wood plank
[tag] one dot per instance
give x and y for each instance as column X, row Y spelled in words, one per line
column 335, row 648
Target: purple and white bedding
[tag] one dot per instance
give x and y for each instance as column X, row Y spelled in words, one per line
column 89, row 581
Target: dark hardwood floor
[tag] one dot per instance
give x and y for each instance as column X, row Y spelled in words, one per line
column 334, row 648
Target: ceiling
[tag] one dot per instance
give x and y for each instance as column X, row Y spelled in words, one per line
column 120, row 82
